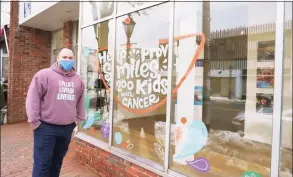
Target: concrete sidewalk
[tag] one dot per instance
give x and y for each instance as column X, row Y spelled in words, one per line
column 17, row 153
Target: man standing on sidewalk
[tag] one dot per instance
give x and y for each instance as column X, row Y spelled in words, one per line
column 54, row 106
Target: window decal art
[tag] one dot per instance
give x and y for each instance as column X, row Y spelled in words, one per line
column 200, row 164
column 149, row 103
column 195, row 138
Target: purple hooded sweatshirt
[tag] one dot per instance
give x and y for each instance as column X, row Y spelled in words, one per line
column 55, row 97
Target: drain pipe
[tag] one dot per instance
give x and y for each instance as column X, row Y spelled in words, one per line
column 6, row 41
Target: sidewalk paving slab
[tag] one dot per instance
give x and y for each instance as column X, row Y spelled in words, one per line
column 17, row 154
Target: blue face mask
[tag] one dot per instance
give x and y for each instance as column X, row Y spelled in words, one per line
column 67, row 65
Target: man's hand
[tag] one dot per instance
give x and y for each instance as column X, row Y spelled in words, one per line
column 34, row 128
column 75, row 129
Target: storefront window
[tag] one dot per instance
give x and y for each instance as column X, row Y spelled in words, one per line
column 96, row 10
column 222, row 85
column 141, row 83
column 96, row 61
column 286, row 149
column 222, row 118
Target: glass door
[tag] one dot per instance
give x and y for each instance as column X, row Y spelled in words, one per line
column 57, row 44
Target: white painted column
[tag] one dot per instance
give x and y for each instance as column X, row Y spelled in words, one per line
column 185, row 96
column 238, row 84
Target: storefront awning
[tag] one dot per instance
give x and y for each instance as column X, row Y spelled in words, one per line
column 53, row 17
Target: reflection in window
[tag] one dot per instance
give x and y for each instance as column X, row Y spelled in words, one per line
column 96, row 10
column 4, row 50
column 141, row 83
column 286, row 148
column 225, row 128
column 57, row 44
column 4, row 68
column 126, row 6
column 95, row 60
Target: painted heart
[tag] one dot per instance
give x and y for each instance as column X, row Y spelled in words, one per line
column 89, row 122
column 87, row 103
column 159, row 150
column 97, row 115
column 163, row 101
column 178, row 135
column 124, row 145
column 161, row 140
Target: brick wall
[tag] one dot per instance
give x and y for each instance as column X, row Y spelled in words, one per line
column 67, row 34
column 106, row 164
column 29, row 51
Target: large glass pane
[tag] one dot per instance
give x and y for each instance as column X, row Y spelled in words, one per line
column 141, row 83
column 222, row 118
column 96, row 61
column 286, row 158
column 96, row 10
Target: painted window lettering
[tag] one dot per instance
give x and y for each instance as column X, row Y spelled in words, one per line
column 141, row 76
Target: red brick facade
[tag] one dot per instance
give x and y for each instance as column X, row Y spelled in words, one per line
column 107, row 164
column 29, row 51
column 67, row 34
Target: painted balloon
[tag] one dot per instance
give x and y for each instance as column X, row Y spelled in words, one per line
column 105, row 130
column 200, row 164
column 196, row 139
column 87, row 103
column 89, row 122
column 118, row 138
column 97, row 115
column 183, row 120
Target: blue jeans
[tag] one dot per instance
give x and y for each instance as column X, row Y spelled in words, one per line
column 51, row 144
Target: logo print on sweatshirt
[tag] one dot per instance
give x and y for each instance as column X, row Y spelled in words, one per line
column 66, row 91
